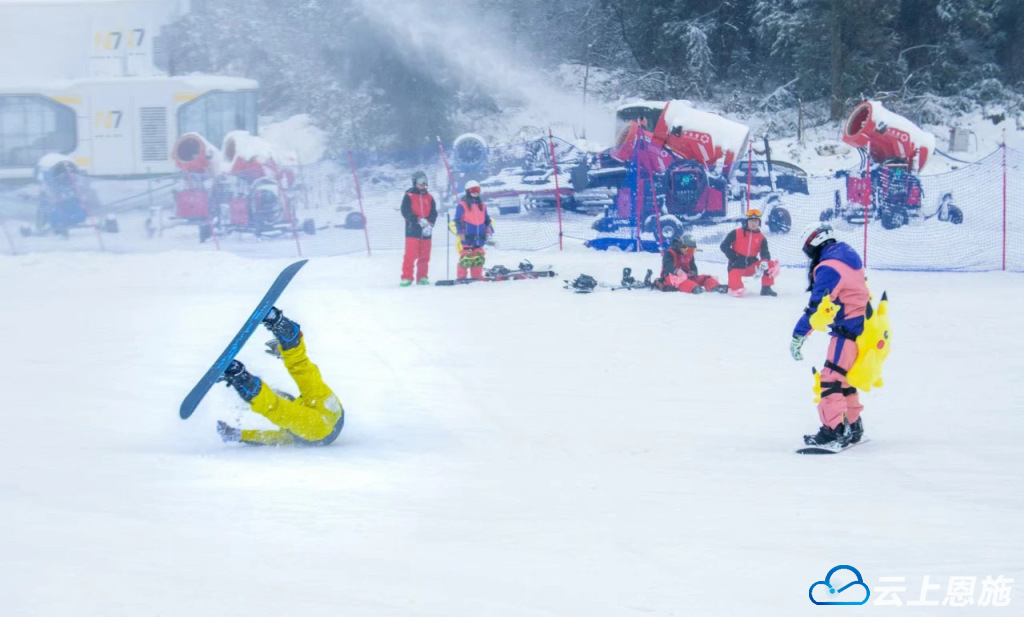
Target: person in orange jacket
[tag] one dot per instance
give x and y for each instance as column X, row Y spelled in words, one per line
column 473, row 225
column 746, row 248
column 679, row 270
column 420, row 213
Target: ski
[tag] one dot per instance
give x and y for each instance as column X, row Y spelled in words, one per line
column 833, row 449
column 511, row 275
column 495, row 274
column 197, row 393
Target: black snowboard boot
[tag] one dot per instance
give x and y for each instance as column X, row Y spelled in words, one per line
column 245, row 383
column 722, row 289
column 768, row 291
column 627, row 277
column 286, row 331
column 827, row 436
column 697, row 290
column 856, row 431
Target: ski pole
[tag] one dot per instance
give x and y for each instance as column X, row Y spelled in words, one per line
column 448, row 248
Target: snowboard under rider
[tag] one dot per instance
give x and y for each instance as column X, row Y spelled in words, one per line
column 746, row 248
column 835, row 270
column 679, row 270
column 315, row 418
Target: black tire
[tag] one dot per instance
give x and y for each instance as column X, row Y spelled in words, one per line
column 205, row 232
column 894, row 218
column 110, row 226
column 670, row 230
column 779, row 220
column 309, row 226
column 956, row 215
column 355, row 220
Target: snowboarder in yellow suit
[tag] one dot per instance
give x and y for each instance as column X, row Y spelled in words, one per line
column 314, row 419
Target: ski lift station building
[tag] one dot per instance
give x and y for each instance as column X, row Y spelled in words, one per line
column 88, row 79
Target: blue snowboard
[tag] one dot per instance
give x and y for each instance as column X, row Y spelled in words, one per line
column 199, row 391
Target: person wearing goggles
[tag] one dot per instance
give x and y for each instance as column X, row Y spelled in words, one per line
column 746, row 248
column 473, row 225
column 679, row 270
column 420, row 213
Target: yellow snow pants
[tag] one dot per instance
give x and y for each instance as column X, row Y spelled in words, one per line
column 315, row 418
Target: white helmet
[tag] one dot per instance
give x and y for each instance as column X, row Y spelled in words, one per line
column 817, row 236
column 471, row 185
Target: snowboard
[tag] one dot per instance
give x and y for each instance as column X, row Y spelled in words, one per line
column 193, row 398
column 829, row 449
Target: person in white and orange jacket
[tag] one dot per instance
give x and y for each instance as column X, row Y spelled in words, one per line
column 473, row 225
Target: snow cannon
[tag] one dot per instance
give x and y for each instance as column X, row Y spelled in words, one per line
column 887, row 135
column 701, row 136
column 194, row 154
column 469, row 153
column 57, row 173
column 247, row 156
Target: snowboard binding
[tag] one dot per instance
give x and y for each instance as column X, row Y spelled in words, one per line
column 583, row 283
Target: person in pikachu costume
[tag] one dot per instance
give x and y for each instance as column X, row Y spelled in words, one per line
column 860, row 338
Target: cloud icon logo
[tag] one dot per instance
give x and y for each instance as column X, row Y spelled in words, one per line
column 842, row 585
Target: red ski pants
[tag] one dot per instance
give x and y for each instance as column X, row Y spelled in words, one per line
column 417, row 251
column 687, row 284
column 736, row 275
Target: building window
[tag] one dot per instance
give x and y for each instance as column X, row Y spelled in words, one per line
column 31, row 126
column 215, row 114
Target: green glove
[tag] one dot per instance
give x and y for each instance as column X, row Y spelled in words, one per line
column 795, row 345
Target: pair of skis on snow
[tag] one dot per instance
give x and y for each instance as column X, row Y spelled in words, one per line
column 525, row 270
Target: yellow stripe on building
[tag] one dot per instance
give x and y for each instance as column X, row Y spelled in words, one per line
column 69, row 100
column 181, row 97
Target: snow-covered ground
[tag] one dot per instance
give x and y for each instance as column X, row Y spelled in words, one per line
column 509, row 449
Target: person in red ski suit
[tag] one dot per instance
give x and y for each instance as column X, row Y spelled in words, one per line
column 420, row 213
column 679, row 270
column 473, row 225
column 746, row 248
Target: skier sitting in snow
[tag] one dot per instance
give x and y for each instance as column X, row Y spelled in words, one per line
column 746, row 248
column 835, row 270
column 315, row 418
column 679, row 270
column 473, row 226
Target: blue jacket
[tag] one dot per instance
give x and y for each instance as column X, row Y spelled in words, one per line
column 828, row 278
